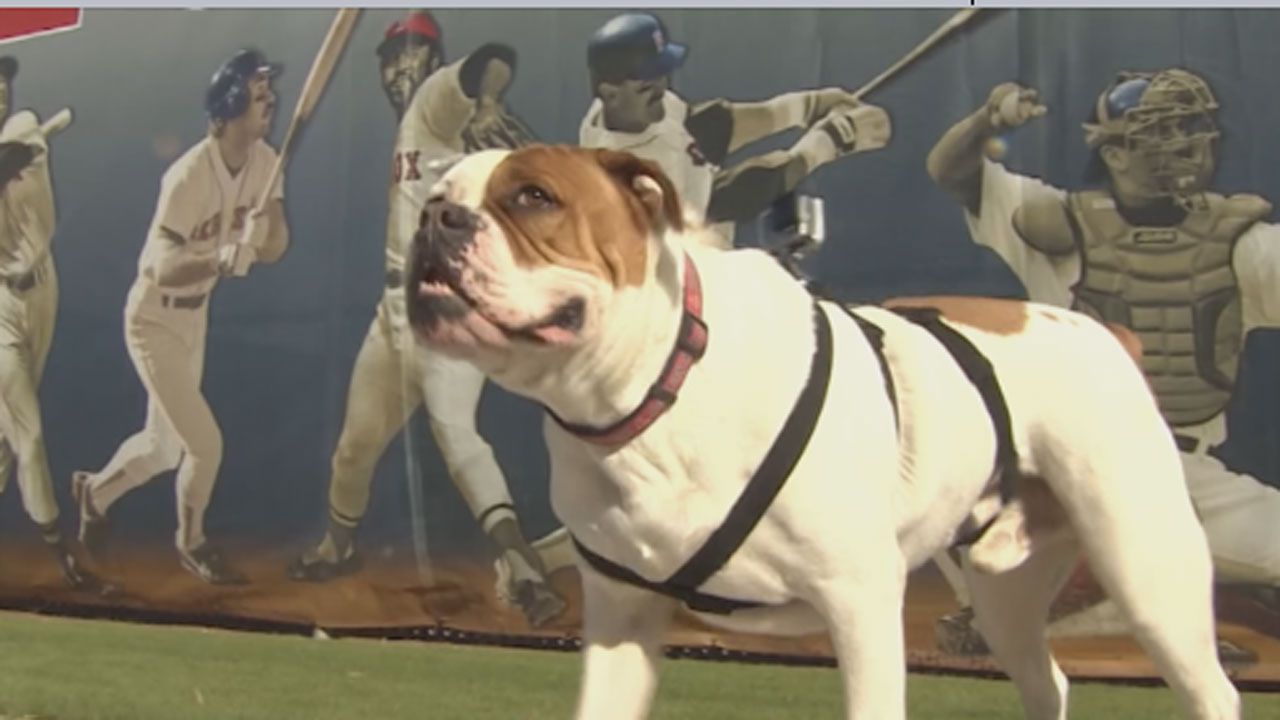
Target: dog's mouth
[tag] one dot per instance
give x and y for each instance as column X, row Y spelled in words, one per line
column 559, row 326
column 439, row 296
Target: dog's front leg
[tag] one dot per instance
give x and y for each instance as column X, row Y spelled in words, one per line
column 622, row 632
column 864, row 615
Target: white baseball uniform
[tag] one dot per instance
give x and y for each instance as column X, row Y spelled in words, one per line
column 393, row 376
column 202, row 207
column 28, row 306
column 669, row 144
column 1240, row 514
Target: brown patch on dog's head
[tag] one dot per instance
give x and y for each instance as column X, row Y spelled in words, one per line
column 648, row 184
column 997, row 315
column 593, row 210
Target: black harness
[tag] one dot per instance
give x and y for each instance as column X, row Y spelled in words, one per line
column 789, row 446
column 751, row 505
column 978, row 370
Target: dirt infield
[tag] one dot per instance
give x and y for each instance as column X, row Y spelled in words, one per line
column 459, row 596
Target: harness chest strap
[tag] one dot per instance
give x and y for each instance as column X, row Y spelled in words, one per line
column 750, row 506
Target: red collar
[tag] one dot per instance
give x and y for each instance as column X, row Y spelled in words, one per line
column 691, row 343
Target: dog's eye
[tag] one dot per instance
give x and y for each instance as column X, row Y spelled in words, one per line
column 533, row 197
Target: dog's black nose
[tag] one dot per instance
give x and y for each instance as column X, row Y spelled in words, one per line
column 445, row 230
column 448, row 216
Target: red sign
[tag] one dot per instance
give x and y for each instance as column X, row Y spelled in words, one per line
column 20, row 23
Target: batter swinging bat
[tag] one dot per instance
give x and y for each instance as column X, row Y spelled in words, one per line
column 317, row 79
column 946, row 28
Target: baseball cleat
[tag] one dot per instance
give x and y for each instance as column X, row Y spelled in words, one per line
column 539, row 603
column 519, row 585
column 208, row 564
column 312, row 566
column 79, row 578
column 956, row 635
column 93, row 525
column 1232, row 654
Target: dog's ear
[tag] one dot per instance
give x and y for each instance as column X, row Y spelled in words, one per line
column 646, row 182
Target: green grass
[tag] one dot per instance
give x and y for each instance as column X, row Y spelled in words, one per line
column 64, row 669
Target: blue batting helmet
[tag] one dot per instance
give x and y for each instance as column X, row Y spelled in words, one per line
column 633, row 46
column 228, row 95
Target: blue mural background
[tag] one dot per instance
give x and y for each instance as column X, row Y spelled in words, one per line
column 283, row 341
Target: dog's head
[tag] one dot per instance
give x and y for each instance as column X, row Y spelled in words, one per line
column 527, row 250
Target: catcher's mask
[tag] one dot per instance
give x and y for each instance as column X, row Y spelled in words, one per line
column 1164, row 117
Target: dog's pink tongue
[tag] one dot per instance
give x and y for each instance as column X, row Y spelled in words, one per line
column 553, row 334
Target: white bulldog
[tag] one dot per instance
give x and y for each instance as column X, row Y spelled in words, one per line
column 565, row 275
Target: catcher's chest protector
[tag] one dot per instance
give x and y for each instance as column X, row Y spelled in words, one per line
column 1176, row 289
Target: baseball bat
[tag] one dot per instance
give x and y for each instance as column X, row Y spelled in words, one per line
column 312, row 88
column 56, row 123
column 946, row 28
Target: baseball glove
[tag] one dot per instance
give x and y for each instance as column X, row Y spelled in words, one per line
column 496, row 129
column 14, row 158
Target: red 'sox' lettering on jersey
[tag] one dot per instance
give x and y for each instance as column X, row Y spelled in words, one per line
column 405, row 166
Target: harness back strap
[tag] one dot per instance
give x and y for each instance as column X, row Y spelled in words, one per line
column 751, row 505
column 873, row 334
column 875, row 338
column 978, row 369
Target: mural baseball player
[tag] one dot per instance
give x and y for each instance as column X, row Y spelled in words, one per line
column 1151, row 248
column 205, row 227
column 28, row 306
column 631, row 61
column 443, row 111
